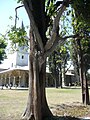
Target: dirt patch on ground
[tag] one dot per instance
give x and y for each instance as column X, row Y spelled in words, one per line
column 68, row 111
column 71, row 109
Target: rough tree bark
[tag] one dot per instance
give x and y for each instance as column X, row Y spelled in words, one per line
column 37, row 107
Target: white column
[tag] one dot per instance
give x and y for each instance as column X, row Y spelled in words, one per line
column 23, row 80
column 2, row 82
column 9, row 81
column 5, row 81
column 14, row 82
column 19, row 81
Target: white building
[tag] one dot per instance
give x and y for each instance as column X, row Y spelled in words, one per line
column 19, row 58
column 14, row 69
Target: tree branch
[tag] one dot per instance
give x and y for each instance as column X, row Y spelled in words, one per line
column 16, row 13
column 28, row 7
column 55, row 25
column 59, row 40
column 56, row 42
column 70, row 36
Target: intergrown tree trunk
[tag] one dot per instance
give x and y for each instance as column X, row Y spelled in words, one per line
column 37, row 107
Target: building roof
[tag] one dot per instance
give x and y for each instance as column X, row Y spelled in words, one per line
column 13, row 69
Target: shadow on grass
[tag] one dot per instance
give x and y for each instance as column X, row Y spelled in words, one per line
column 62, row 118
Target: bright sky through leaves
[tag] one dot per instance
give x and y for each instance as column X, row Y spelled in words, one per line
column 7, row 9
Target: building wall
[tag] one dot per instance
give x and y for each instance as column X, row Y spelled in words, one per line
column 22, row 59
column 12, row 59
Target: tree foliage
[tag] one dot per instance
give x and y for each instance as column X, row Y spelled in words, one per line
column 17, row 35
column 2, row 48
column 81, row 26
column 82, row 8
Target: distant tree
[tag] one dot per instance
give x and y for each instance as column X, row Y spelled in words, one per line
column 58, row 59
column 74, row 58
column 81, row 25
column 53, row 67
column 57, row 63
column 2, row 48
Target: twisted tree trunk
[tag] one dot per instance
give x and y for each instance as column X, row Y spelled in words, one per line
column 40, row 48
column 37, row 107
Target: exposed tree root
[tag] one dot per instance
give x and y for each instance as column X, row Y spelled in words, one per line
column 31, row 117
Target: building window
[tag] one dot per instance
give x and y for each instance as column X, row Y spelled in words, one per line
column 22, row 56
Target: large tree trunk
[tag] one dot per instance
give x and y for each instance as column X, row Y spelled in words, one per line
column 37, row 107
column 44, row 106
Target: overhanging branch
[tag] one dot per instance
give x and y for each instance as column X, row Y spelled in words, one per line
column 70, row 36
column 55, row 25
column 59, row 40
column 16, row 17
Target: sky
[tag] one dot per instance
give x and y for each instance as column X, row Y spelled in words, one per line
column 7, row 9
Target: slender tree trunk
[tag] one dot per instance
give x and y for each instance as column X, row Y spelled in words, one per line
column 60, row 78
column 84, row 85
column 55, row 71
column 60, row 75
column 86, row 97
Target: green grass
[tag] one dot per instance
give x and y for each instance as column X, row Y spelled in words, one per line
column 60, row 96
column 13, row 102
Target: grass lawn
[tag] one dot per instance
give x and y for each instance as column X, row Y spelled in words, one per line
column 61, row 102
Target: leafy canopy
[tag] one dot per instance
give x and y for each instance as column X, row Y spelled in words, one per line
column 17, row 35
